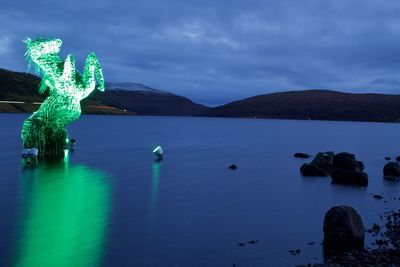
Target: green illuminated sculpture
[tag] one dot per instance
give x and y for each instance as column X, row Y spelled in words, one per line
column 45, row 128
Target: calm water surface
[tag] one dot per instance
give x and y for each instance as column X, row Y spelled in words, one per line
column 109, row 204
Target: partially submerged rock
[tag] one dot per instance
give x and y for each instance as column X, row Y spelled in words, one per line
column 391, row 171
column 343, row 229
column 324, row 160
column 301, row 155
column 308, row 169
column 233, row 167
column 347, row 170
column 347, row 161
column 321, row 165
column 377, row 196
column 341, row 176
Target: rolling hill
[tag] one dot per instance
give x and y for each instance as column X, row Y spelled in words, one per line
column 315, row 105
column 136, row 98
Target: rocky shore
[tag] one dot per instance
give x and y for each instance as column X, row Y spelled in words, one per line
column 386, row 251
column 344, row 232
column 343, row 168
column 387, row 243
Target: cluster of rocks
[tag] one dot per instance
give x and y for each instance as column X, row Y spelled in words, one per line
column 344, row 240
column 387, row 253
column 344, row 232
column 365, row 258
column 392, row 233
column 388, row 235
column 343, row 168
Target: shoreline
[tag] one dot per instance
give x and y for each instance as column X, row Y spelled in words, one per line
column 131, row 113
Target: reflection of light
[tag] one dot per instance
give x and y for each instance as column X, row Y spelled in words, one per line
column 154, row 182
column 154, row 190
column 65, row 216
column 66, row 156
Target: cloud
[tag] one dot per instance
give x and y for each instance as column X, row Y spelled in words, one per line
column 4, row 44
column 219, row 51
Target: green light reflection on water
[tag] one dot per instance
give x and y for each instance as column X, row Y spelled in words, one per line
column 64, row 216
column 155, row 177
column 154, row 183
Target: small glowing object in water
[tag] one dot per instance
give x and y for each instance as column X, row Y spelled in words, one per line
column 158, row 152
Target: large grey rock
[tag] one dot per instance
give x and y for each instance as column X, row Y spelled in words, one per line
column 343, row 229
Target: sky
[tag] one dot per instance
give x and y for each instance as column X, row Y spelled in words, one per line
column 214, row 51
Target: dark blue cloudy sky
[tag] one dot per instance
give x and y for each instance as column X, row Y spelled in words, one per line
column 217, row 51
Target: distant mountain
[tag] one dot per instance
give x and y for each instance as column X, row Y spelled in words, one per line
column 315, row 105
column 131, row 87
column 146, row 102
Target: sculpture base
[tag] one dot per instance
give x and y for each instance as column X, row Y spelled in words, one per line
column 50, row 144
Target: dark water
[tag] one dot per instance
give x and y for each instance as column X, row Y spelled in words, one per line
column 109, row 204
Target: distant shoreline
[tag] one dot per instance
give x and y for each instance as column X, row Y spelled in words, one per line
column 200, row 116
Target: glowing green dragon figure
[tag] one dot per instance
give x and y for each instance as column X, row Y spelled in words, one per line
column 45, row 128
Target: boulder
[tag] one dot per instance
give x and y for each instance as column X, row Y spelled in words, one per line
column 233, row 167
column 347, row 170
column 308, row 169
column 343, row 229
column 321, row 165
column 301, row 155
column 391, row 169
column 324, row 160
column 347, row 161
column 341, row 176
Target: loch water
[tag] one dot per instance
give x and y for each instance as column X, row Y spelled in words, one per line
column 110, row 204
